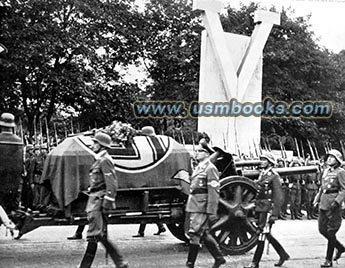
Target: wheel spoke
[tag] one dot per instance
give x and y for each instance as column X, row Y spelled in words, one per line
column 249, row 226
column 227, row 204
column 221, row 223
column 223, row 236
column 238, row 194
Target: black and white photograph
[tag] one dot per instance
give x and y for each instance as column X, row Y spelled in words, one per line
column 172, row 133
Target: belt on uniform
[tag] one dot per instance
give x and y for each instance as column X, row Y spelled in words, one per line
column 199, row 191
column 331, row 191
column 97, row 189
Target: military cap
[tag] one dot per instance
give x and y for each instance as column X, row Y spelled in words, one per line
column 7, row 120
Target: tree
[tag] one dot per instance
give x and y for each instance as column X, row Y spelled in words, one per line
column 53, row 60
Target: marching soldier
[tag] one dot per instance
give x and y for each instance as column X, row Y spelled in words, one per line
column 269, row 200
column 202, row 205
column 102, row 192
column 330, row 197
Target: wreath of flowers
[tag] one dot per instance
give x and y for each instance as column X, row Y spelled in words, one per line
column 121, row 133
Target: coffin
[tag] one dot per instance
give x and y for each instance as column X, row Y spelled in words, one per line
column 149, row 161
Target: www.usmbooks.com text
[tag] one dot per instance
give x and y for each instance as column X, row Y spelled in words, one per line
column 233, row 108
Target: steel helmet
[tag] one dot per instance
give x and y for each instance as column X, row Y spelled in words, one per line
column 270, row 157
column 103, row 139
column 148, row 130
column 7, row 120
column 336, row 154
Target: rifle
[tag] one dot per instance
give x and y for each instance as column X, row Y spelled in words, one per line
column 303, row 155
column 311, row 149
column 297, row 148
column 224, row 144
column 41, row 132
column 342, row 147
column 72, row 125
column 183, row 141
column 55, row 132
column 47, row 133
column 35, row 131
column 268, row 145
column 21, row 130
column 316, row 152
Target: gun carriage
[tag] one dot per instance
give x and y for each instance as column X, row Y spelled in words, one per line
column 153, row 174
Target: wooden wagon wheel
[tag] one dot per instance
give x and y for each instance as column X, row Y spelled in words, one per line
column 236, row 229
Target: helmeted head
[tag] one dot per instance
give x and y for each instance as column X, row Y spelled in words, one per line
column 7, row 120
column 102, row 139
column 148, row 130
column 269, row 157
column 336, row 155
column 296, row 163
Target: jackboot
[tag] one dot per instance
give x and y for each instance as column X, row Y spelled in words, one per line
column 257, row 255
column 89, row 255
column 330, row 247
column 283, row 256
column 252, row 265
column 114, row 253
column 340, row 249
column 192, row 254
column 326, row 263
column 213, row 247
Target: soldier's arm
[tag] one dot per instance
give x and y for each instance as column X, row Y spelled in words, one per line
column 213, row 190
column 110, row 180
column 341, row 195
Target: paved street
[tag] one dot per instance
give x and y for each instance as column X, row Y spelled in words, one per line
column 48, row 247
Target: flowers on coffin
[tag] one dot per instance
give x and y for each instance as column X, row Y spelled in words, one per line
column 121, row 133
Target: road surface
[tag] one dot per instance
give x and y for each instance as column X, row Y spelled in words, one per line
column 47, row 247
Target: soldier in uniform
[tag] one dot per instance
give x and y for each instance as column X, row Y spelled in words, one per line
column 295, row 192
column 269, row 201
column 27, row 194
column 35, row 174
column 102, row 192
column 11, row 163
column 202, row 205
column 330, row 197
column 312, row 186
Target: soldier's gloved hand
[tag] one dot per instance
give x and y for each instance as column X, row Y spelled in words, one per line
column 272, row 219
column 334, row 205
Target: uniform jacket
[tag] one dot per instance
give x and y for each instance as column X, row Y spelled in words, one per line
column 36, row 168
column 270, row 194
column 103, row 183
column 204, row 189
column 311, row 181
column 332, row 188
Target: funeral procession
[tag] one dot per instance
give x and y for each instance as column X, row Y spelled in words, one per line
column 172, row 133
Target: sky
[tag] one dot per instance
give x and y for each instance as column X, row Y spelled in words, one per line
column 327, row 18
